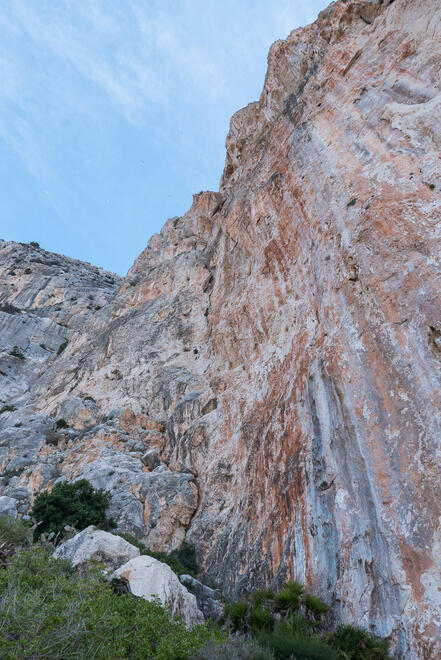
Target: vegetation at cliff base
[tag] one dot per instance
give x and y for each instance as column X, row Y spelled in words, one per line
column 50, row 610
column 290, row 624
column 14, row 532
column 357, row 644
column 77, row 504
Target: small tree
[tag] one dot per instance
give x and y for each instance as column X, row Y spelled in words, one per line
column 77, row 504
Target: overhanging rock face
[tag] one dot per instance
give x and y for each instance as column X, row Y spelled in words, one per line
column 279, row 346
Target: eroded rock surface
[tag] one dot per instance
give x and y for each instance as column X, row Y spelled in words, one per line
column 209, row 600
column 279, row 346
column 8, row 507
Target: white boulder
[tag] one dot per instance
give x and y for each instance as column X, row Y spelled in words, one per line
column 94, row 543
column 148, row 577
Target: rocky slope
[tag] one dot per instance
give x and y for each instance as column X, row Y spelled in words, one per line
column 265, row 382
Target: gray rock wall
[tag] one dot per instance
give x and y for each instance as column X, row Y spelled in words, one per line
column 278, row 346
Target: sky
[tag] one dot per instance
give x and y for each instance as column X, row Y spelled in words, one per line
column 114, row 112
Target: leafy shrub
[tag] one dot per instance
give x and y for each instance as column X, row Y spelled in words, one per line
column 262, row 596
column 237, row 613
column 357, row 644
column 186, row 556
column 286, row 646
column 242, row 617
column 257, row 612
column 236, row 648
column 296, row 634
column 297, row 626
column 61, row 424
column 77, row 504
column 260, row 620
column 288, row 598
column 181, row 561
column 315, row 605
column 14, row 531
column 49, row 610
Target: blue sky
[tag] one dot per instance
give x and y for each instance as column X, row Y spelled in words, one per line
column 113, row 112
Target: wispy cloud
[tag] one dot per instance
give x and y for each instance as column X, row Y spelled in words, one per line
column 178, row 52
column 103, row 48
column 141, row 54
column 84, row 83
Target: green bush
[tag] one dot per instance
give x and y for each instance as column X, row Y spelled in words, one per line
column 262, row 596
column 14, row 531
column 260, row 620
column 236, row 648
column 77, row 504
column 288, row 598
column 297, row 626
column 286, row 646
column 237, row 613
column 49, row 610
column 296, row 635
column 258, row 612
column 185, row 555
column 315, row 605
column 181, row 561
column 357, row 644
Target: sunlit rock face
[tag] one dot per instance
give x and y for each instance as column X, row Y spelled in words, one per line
column 278, row 346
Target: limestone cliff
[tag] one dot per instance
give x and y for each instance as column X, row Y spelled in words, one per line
column 265, row 381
